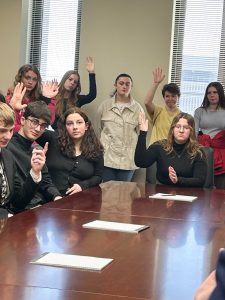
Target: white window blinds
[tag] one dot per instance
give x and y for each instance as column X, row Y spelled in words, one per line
column 198, row 49
column 55, row 36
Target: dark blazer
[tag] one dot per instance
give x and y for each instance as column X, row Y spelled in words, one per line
column 219, row 291
column 19, row 194
column 21, row 148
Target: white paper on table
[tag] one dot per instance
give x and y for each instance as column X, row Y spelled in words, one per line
column 72, row 261
column 115, row 226
column 173, row 197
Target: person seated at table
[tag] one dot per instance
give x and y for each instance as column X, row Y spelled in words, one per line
column 70, row 88
column 35, row 120
column 75, row 155
column 180, row 159
column 213, row 287
column 34, row 90
column 15, row 195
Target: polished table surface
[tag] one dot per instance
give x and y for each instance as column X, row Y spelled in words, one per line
column 167, row 261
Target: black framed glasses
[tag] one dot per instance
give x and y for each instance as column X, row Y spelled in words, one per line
column 35, row 123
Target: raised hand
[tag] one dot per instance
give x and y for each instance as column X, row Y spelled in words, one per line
column 142, row 122
column 158, row 75
column 172, row 175
column 90, row 64
column 50, row 88
column 17, row 98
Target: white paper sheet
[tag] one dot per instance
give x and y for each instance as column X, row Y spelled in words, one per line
column 173, row 197
column 73, row 261
column 115, row 226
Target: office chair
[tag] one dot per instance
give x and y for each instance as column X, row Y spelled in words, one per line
column 209, row 181
column 151, row 174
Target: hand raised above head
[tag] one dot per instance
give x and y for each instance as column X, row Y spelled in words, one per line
column 17, row 98
column 90, row 64
column 158, row 75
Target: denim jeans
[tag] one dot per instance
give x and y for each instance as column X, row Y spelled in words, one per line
column 117, row 174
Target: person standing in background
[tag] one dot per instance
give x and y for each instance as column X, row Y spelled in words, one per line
column 210, row 128
column 161, row 116
column 118, row 124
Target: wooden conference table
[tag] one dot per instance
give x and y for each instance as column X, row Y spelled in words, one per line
column 167, row 261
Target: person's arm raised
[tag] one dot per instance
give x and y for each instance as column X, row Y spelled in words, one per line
column 90, row 64
column 158, row 77
column 17, row 98
column 50, row 89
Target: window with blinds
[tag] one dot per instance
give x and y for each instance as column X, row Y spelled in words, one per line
column 55, row 36
column 198, row 52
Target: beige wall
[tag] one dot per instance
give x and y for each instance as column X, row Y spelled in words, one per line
column 10, row 30
column 131, row 36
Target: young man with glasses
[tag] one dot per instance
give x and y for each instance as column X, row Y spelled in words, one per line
column 35, row 120
column 15, row 194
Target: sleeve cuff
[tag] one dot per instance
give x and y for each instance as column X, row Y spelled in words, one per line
column 35, row 178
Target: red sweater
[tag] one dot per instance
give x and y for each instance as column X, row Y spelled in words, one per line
column 218, row 144
column 18, row 114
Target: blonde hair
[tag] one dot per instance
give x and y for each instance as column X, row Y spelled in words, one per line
column 7, row 115
column 193, row 147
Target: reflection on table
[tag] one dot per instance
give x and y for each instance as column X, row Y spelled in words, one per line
column 166, row 261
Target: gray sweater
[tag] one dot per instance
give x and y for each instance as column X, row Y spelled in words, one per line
column 209, row 122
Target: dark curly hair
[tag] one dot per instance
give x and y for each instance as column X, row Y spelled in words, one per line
column 91, row 146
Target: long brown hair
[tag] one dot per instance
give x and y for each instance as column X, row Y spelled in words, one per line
column 71, row 102
column 36, row 92
column 192, row 145
column 218, row 86
column 91, row 146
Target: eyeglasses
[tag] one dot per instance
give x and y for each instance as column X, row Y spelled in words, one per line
column 179, row 127
column 35, row 123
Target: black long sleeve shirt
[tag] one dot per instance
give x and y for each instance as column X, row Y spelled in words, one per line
column 190, row 172
column 21, row 148
column 66, row 171
column 82, row 99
